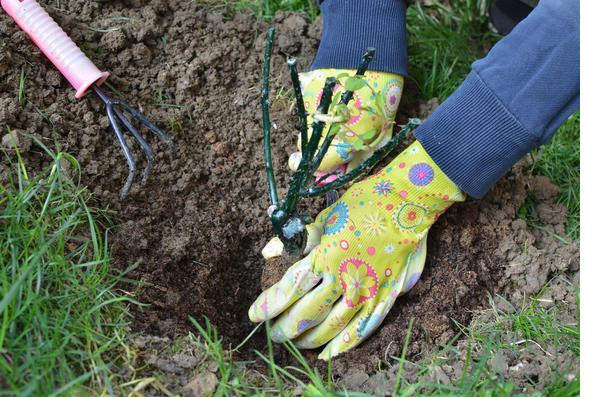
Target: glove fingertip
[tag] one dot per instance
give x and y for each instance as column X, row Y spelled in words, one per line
column 326, row 354
column 254, row 313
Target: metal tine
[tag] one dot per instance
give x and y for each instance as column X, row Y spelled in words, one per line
column 115, row 116
column 151, row 126
column 145, row 146
column 126, row 150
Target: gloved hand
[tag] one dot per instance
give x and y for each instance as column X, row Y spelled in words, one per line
column 370, row 124
column 370, row 248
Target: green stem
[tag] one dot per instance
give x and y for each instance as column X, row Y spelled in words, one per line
column 267, row 119
column 345, row 100
column 302, row 175
column 299, row 104
column 362, row 68
column 365, row 166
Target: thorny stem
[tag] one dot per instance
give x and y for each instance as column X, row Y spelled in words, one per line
column 362, row 68
column 301, row 176
column 301, row 110
column 365, row 166
column 345, row 100
column 288, row 225
column 267, row 119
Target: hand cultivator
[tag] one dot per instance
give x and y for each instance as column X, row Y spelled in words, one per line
column 83, row 75
column 290, row 226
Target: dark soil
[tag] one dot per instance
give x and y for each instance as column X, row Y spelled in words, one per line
column 196, row 229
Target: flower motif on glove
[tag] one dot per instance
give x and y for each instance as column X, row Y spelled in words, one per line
column 420, row 174
column 383, row 188
column 336, row 219
column 374, row 224
column 359, row 281
column 344, row 150
column 304, row 325
column 409, row 216
column 393, row 92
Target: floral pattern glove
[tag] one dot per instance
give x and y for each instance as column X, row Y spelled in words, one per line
column 371, row 249
column 370, row 123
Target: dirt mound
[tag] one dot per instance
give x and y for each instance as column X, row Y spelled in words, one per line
column 196, row 229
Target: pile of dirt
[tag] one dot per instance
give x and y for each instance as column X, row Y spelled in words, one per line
column 196, row 229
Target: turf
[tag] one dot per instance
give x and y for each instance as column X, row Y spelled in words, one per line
column 559, row 160
column 265, row 9
column 444, row 41
column 61, row 319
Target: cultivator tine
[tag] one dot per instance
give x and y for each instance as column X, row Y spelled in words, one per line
column 162, row 136
column 126, row 150
column 118, row 118
column 145, row 146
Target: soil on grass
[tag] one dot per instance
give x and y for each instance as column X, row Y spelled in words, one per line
column 195, row 231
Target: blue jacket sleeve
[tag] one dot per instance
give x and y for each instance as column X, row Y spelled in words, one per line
column 513, row 100
column 352, row 26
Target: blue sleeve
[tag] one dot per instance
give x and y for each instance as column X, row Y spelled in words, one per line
column 513, row 100
column 352, row 26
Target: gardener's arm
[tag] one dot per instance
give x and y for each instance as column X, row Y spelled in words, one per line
column 512, row 102
column 369, row 247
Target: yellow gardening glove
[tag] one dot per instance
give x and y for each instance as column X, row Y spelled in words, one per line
column 367, row 249
column 368, row 123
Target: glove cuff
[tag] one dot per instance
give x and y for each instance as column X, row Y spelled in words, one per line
column 423, row 190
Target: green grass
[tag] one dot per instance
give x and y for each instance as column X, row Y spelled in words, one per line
column 444, row 41
column 61, row 320
column 118, row 23
column 264, row 9
column 532, row 324
column 559, row 160
column 21, row 95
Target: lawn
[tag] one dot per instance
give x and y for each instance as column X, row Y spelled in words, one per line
column 64, row 327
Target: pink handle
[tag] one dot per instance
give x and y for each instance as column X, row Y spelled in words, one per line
column 55, row 44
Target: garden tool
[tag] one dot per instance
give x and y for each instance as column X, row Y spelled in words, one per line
column 363, row 252
column 84, row 76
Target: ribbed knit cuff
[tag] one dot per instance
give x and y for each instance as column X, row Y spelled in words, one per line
column 473, row 138
column 352, row 26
